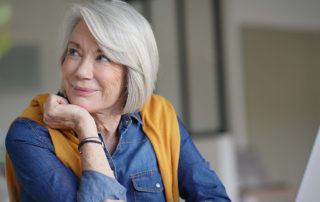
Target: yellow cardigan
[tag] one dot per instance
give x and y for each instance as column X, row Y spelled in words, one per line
column 160, row 125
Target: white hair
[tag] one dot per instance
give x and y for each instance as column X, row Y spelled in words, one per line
column 126, row 38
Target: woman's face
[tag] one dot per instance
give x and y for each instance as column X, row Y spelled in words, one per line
column 90, row 79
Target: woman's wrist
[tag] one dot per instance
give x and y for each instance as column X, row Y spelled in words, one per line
column 89, row 140
column 86, row 126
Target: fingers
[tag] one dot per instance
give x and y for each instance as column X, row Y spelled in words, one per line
column 59, row 114
column 53, row 115
column 55, row 99
column 61, row 100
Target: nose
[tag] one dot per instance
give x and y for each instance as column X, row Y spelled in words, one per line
column 85, row 69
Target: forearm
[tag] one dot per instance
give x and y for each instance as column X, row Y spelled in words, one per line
column 97, row 182
column 92, row 154
column 93, row 158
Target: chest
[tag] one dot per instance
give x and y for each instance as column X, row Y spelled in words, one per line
column 111, row 143
column 135, row 166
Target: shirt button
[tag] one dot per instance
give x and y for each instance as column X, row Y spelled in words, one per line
column 158, row 185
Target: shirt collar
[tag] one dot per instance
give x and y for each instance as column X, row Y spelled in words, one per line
column 137, row 117
column 127, row 120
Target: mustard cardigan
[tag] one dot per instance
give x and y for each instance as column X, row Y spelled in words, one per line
column 160, row 125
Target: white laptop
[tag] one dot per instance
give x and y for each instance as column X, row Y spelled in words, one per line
column 309, row 190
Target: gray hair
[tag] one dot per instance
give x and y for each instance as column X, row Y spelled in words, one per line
column 126, row 38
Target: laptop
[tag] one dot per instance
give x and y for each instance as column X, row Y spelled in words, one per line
column 309, row 190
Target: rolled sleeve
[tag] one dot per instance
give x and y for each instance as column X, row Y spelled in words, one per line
column 197, row 182
column 95, row 186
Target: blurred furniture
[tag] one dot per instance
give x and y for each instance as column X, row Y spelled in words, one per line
column 254, row 184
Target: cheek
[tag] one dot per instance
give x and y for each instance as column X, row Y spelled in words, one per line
column 66, row 70
column 111, row 82
column 66, row 75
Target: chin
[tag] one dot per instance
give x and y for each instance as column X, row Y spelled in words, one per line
column 82, row 102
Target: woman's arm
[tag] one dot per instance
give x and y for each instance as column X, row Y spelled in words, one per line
column 59, row 114
column 196, row 181
column 43, row 177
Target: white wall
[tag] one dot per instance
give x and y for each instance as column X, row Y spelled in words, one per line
column 37, row 25
column 283, row 14
column 287, row 15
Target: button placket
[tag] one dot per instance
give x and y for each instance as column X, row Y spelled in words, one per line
column 109, row 157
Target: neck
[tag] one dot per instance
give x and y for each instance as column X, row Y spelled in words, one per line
column 107, row 121
column 107, row 124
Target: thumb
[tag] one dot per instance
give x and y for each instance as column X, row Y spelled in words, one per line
column 62, row 100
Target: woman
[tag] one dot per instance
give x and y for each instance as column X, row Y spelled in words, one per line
column 105, row 136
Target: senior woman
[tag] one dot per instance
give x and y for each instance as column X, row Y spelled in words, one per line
column 105, row 136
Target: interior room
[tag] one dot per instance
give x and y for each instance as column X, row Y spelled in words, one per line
column 241, row 74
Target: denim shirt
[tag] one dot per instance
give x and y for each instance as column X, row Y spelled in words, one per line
column 43, row 177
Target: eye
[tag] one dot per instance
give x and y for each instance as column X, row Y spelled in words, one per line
column 73, row 52
column 103, row 58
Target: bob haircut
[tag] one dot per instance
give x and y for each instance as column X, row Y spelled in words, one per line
column 126, row 38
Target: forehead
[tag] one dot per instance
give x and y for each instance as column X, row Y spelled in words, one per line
column 82, row 35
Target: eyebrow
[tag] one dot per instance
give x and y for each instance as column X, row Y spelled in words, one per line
column 78, row 46
column 74, row 43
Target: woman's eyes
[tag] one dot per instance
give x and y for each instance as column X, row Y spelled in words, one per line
column 73, row 52
column 103, row 58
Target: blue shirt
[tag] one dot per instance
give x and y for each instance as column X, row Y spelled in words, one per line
column 43, row 177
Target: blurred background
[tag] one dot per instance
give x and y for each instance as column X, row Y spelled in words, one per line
column 242, row 75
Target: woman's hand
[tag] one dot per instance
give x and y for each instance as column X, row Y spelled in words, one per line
column 59, row 114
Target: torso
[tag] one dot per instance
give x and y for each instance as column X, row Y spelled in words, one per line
column 111, row 142
column 133, row 161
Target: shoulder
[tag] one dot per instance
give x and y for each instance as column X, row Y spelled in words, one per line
column 158, row 100
column 24, row 130
column 160, row 119
column 157, row 106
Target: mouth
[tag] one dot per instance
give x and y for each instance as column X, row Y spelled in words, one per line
column 83, row 91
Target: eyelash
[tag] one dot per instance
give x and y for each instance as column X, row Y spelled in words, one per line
column 73, row 52
column 101, row 57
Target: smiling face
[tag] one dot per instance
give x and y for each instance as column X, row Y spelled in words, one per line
column 90, row 79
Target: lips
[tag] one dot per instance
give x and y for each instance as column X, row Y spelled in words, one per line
column 83, row 91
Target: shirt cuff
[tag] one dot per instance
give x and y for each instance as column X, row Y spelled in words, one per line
column 95, row 186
